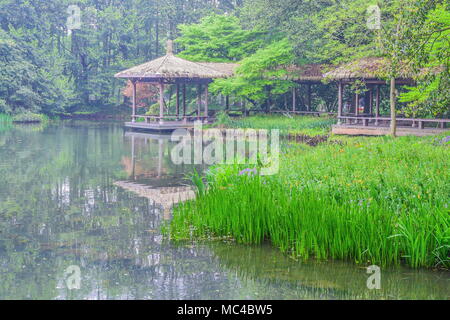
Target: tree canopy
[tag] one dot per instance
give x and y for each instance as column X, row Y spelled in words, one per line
column 50, row 69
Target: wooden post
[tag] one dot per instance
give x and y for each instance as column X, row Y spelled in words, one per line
column 393, row 100
column 161, row 102
column 227, row 102
column 340, row 101
column 377, row 104
column 371, row 101
column 133, row 118
column 294, row 98
column 199, row 101
column 184, row 102
column 206, row 102
column 309, row 98
column 356, row 107
column 178, row 101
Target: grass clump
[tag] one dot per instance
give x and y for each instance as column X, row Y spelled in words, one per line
column 29, row 117
column 381, row 201
column 5, row 122
column 4, row 118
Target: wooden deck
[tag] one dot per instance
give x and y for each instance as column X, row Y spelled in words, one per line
column 380, row 126
column 361, row 130
column 159, row 127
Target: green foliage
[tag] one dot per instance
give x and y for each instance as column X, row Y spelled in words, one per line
column 222, row 119
column 43, row 69
column 256, row 77
column 23, row 82
column 218, row 38
column 297, row 125
column 335, row 33
column 29, row 117
column 430, row 55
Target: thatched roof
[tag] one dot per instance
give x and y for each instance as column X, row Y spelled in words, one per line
column 165, row 196
column 307, row 72
column 171, row 67
column 226, row 68
column 365, row 69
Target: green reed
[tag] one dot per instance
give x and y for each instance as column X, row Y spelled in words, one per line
column 381, row 201
column 5, row 118
column 5, row 122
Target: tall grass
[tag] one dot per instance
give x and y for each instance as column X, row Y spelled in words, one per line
column 294, row 125
column 5, row 122
column 5, row 118
column 385, row 201
column 29, row 117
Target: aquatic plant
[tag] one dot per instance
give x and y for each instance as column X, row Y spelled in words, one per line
column 5, row 122
column 381, row 201
column 29, row 117
column 5, row 118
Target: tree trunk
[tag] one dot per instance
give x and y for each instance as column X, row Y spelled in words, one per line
column 393, row 111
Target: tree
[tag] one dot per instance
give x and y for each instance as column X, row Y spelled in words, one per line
column 24, row 84
column 79, row 68
column 257, row 77
column 430, row 58
column 218, row 38
column 408, row 50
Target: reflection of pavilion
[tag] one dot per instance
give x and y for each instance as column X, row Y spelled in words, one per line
column 160, row 188
column 165, row 196
column 133, row 169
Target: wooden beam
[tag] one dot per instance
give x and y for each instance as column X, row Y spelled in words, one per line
column 357, row 104
column 227, row 102
column 377, row 104
column 178, row 101
column 206, row 102
column 184, row 101
column 340, row 100
column 294, row 98
column 199, row 100
column 371, row 101
column 161, row 102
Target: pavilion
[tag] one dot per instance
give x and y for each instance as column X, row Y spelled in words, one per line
column 307, row 75
column 172, row 70
column 361, row 115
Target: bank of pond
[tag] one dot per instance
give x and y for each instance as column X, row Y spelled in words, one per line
column 379, row 201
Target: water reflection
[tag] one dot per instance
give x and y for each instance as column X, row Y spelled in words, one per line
column 151, row 174
column 77, row 193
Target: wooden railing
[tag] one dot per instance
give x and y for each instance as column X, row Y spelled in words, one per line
column 150, row 118
column 313, row 113
column 377, row 121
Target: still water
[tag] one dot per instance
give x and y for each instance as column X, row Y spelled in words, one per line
column 89, row 195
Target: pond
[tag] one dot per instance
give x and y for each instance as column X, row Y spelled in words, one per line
column 92, row 196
